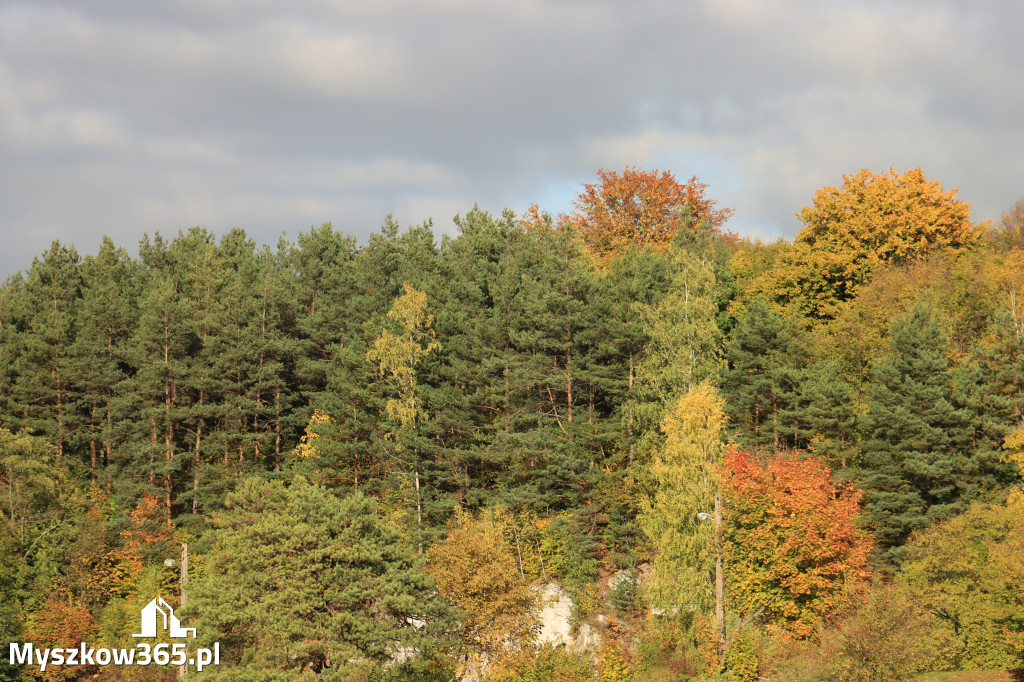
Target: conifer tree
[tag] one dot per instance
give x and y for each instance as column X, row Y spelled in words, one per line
column 765, row 354
column 336, row 595
column 106, row 321
column 45, row 401
column 822, row 415
column 914, row 468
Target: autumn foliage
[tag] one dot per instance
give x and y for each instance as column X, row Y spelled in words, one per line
column 887, row 217
column 639, row 208
column 60, row 625
column 790, row 539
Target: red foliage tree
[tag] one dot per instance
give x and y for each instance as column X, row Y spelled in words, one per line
column 639, row 208
column 791, row 541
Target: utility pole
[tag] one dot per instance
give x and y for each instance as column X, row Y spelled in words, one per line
column 183, row 668
column 719, row 577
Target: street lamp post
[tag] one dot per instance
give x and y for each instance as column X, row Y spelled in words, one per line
column 719, row 572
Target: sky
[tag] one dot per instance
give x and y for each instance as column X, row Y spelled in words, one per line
column 120, row 117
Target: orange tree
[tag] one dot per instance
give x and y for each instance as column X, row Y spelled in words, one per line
column 639, row 208
column 791, row 544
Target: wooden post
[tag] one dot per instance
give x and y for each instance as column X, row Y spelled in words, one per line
column 719, row 577
column 183, row 668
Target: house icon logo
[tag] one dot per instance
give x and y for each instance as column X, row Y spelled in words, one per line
column 159, row 610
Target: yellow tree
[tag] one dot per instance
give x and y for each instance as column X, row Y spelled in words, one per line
column 639, row 208
column 476, row 570
column 873, row 219
column 395, row 354
column 686, row 474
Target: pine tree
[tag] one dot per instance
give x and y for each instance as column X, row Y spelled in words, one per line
column 821, row 417
column 43, row 395
column 337, row 595
column 106, row 321
column 912, row 466
column 765, row 354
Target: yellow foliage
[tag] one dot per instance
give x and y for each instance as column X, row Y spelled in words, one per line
column 307, row 444
column 1015, row 444
column 396, row 354
column 477, row 571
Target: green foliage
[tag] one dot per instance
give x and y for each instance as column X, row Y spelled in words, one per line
column 967, row 572
column 885, row 637
column 742, row 659
column 570, row 554
column 765, row 353
column 160, row 383
column 551, row 665
column 918, row 461
column 686, row 474
column 337, row 592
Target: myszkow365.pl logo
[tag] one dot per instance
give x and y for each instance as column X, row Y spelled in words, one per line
column 156, row 615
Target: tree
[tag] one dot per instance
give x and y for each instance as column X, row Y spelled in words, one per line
column 968, row 573
column 685, row 471
column 43, row 394
column 792, row 546
column 638, row 208
column 1010, row 232
column 106, row 320
column 302, row 582
column 873, row 219
column 765, row 354
column 396, row 355
column 917, row 463
column 685, row 345
column 476, row 571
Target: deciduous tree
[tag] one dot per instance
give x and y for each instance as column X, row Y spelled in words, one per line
column 792, row 544
column 685, row 471
column 476, row 571
column 638, row 208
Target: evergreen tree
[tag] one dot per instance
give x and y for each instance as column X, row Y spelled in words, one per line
column 335, row 593
column 44, row 399
column 544, row 439
column 470, row 365
column 822, row 414
column 765, row 354
column 914, row 468
column 106, row 321
column 634, row 283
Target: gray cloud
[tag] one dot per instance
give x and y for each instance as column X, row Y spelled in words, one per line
column 121, row 117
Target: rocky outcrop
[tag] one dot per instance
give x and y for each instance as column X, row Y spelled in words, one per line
column 554, row 614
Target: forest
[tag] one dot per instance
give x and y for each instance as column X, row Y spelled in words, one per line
column 379, row 453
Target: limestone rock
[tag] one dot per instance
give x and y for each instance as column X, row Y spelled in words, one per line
column 554, row 615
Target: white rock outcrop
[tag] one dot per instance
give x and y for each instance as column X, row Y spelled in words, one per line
column 554, row 615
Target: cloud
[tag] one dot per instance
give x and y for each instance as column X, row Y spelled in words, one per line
column 119, row 117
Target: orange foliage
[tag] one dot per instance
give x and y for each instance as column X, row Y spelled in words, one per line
column 791, row 540
column 639, row 208
column 60, row 625
column 148, row 526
